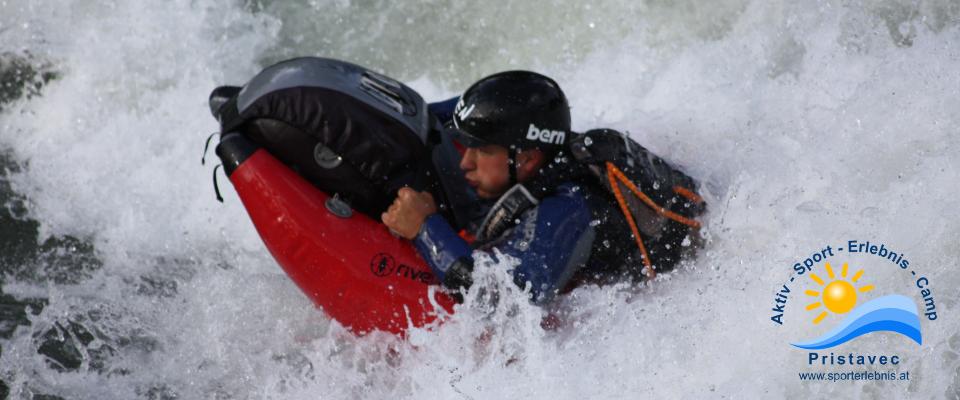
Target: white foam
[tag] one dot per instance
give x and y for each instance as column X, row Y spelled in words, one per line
column 808, row 124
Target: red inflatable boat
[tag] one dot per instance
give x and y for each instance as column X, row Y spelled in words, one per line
column 307, row 127
column 351, row 266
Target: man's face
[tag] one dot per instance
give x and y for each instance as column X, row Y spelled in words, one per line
column 487, row 170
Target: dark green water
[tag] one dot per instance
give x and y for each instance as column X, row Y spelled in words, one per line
column 24, row 257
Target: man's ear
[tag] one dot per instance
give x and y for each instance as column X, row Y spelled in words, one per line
column 528, row 162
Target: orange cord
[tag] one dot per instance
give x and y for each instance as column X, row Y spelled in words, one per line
column 612, row 169
column 648, row 266
column 688, row 194
column 613, row 175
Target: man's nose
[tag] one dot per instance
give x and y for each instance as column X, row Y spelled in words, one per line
column 467, row 163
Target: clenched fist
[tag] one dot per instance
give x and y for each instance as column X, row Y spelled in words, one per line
column 408, row 211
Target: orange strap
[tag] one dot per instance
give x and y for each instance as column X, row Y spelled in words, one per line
column 688, row 194
column 614, row 174
column 612, row 169
column 647, row 265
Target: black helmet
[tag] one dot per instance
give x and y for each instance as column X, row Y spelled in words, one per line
column 515, row 109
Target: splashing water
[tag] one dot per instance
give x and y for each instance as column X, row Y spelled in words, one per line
column 807, row 123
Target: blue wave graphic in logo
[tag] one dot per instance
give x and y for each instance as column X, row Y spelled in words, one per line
column 894, row 313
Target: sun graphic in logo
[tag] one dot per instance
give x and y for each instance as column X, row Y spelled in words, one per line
column 839, row 296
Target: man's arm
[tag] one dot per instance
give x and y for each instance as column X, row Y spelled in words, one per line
column 414, row 215
column 552, row 241
column 448, row 255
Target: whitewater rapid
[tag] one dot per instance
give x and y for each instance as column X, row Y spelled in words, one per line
column 807, row 123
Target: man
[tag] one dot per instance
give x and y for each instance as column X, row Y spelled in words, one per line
column 515, row 125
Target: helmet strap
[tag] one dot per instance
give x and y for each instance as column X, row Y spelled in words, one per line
column 512, row 166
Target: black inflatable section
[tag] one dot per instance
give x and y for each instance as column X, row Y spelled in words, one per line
column 348, row 130
column 654, row 176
